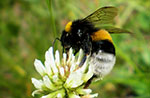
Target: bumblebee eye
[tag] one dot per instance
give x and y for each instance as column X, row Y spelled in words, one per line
column 79, row 33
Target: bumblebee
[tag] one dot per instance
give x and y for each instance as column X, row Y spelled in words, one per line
column 95, row 41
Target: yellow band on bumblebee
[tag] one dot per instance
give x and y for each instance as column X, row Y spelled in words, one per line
column 101, row 35
column 68, row 26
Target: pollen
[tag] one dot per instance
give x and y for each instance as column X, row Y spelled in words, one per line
column 68, row 26
column 101, row 35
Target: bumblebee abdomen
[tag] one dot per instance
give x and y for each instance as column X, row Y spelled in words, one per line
column 102, row 63
column 103, row 57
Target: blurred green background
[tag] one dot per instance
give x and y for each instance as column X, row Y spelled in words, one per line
column 28, row 28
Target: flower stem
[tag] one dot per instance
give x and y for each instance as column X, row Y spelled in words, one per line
column 52, row 18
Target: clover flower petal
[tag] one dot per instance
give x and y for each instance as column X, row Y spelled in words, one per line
column 63, row 77
column 39, row 67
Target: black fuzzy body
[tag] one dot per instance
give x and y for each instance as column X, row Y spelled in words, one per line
column 83, row 39
column 104, row 46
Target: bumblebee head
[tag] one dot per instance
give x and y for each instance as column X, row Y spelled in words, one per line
column 65, row 40
column 70, row 34
column 65, row 37
column 74, row 33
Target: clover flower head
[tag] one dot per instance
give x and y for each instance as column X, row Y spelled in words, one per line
column 62, row 77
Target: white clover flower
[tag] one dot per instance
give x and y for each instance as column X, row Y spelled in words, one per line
column 63, row 78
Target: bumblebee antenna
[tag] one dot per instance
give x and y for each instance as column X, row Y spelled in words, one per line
column 55, row 41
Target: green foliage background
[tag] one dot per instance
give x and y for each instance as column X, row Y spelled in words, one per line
column 28, row 28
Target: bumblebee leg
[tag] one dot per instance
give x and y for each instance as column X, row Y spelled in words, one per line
column 87, row 52
column 90, row 81
column 86, row 46
column 66, row 51
column 83, row 60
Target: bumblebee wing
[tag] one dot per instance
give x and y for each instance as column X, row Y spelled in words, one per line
column 103, row 15
column 114, row 30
